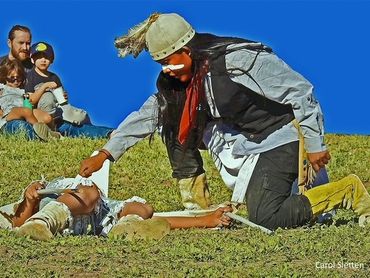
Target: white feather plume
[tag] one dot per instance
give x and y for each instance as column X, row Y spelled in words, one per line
column 134, row 42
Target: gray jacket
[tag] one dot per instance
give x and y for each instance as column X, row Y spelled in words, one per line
column 277, row 81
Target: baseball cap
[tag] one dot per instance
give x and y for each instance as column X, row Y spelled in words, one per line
column 42, row 47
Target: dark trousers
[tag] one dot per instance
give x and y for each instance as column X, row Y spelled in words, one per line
column 185, row 164
column 269, row 200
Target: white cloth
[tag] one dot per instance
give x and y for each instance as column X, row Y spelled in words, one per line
column 235, row 170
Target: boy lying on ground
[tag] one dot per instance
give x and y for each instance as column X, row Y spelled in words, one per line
column 83, row 209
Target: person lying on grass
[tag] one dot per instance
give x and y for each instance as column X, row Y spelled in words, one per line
column 83, row 209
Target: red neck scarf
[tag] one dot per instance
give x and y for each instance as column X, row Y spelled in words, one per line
column 194, row 93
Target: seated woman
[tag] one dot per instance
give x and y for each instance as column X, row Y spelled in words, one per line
column 83, row 209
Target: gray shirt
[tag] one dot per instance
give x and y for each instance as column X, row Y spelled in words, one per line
column 9, row 98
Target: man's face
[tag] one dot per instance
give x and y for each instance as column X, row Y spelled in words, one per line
column 20, row 45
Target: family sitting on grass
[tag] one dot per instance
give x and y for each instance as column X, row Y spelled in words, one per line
column 257, row 117
column 12, row 98
column 32, row 98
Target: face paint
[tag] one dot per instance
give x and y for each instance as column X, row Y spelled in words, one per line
column 172, row 67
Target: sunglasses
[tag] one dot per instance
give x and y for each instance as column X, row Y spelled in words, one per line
column 13, row 79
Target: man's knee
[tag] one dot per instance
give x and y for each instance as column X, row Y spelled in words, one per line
column 293, row 212
column 259, row 215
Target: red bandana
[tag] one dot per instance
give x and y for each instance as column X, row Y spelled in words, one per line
column 193, row 95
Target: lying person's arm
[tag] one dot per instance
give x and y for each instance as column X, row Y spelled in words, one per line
column 29, row 205
column 212, row 220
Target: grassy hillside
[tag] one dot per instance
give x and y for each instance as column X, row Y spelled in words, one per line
column 145, row 171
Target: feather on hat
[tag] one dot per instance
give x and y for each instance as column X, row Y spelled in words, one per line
column 134, row 42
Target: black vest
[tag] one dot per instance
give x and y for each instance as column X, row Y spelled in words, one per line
column 252, row 114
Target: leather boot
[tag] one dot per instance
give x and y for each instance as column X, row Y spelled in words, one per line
column 43, row 225
column 348, row 193
column 194, row 192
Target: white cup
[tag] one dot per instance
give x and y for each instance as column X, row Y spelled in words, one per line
column 59, row 95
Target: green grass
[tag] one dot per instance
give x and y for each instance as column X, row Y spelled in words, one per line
column 145, row 171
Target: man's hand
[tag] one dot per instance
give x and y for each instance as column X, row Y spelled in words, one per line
column 319, row 160
column 92, row 164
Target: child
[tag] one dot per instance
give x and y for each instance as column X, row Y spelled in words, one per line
column 83, row 209
column 41, row 84
column 12, row 77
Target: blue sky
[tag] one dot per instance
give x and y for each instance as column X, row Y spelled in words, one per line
column 325, row 41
